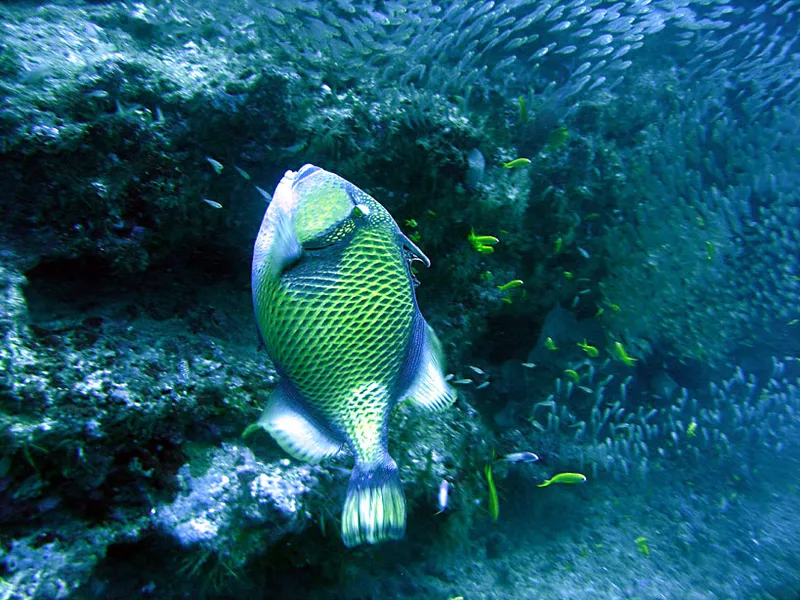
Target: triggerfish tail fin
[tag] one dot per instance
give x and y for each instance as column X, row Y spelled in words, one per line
column 375, row 506
column 429, row 389
column 295, row 430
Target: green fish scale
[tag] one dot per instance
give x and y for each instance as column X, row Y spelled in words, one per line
column 342, row 328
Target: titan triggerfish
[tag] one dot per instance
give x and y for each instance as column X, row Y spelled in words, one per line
column 334, row 301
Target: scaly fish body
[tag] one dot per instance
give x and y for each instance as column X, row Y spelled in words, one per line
column 334, row 301
column 319, row 325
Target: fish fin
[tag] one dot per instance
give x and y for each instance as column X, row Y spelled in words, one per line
column 295, row 431
column 286, row 248
column 429, row 389
column 414, row 250
column 375, row 505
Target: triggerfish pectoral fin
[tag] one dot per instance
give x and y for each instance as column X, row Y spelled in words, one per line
column 415, row 251
column 375, row 506
column 296, row 432
column 429, row 389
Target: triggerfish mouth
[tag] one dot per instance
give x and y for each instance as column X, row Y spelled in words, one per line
column 334, row 301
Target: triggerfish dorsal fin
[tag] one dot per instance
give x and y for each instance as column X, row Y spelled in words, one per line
column 295, row 431
column 429, row 390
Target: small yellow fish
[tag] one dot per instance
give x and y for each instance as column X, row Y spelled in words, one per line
column 572, row 374
column 590, row 350
column 482, row 243
column 709, row 251
column 510, row 285
column 793, row 322
column 558, row 243
column 550, row 344
column 494, row 502
column 641, row 546
column 218, row 166
column 621, row 353
column 517, row 162
column 568, row 274
column 564, row 478
column 411, row 223
column 614, row 307
column 691, row 429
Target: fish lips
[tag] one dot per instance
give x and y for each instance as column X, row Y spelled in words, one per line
column 289, row 182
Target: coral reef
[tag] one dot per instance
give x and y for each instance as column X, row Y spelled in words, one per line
column 622, row 303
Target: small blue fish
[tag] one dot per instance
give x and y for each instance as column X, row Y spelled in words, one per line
column 217, row 166
column 444, row 495
column 519, row 457
column 264, row 194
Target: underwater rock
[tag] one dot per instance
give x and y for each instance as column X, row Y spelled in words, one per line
column 566, row 333
column 476, row 166
column 234, row 494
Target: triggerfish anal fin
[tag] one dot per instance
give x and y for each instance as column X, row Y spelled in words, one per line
column 415, row 251
column 429, row 390
column 296, row 432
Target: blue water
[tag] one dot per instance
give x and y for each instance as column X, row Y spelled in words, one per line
column 623, row 303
